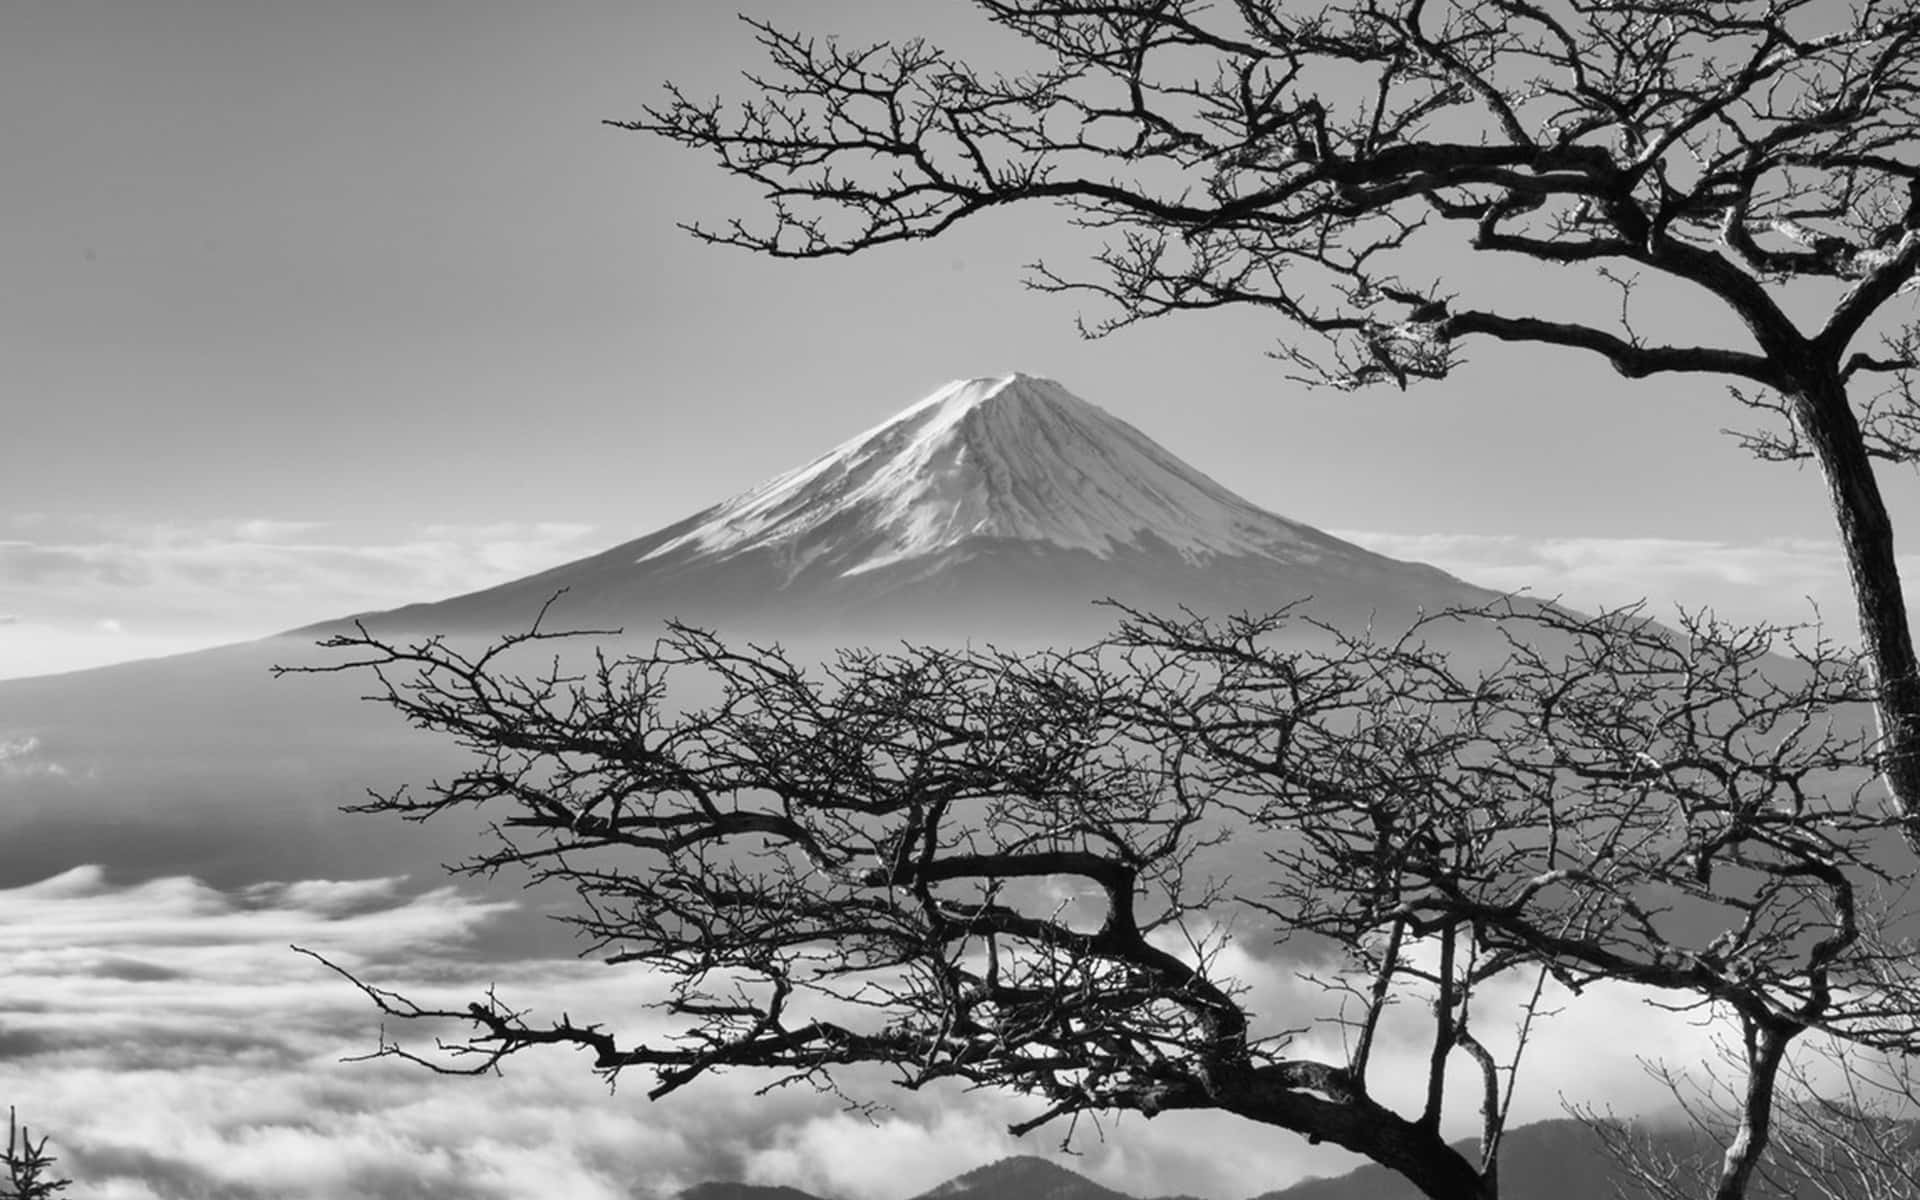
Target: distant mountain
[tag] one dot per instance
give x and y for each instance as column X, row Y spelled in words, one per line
column 1563, row 1160
column 1021, row 1178
column 997, row 509
column 743, row 1191
column 993, row 505
column 1560, row 1160
column 1548, row 1160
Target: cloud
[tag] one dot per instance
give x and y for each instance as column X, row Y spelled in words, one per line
column 1291, row 997
column 174, row 1047
column 90, row 591
column 176, row 586
column 36, row 648
column 166, row 1037
column 190, row 566
column 21, row 754
column 25, row 565
column 1780, row 579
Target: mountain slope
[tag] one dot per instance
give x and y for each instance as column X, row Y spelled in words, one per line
column 1022, row 1177
column 1561, row 1158
column 1009, row 457
column 742, row 1191
column 994, row 505
column 997, row 509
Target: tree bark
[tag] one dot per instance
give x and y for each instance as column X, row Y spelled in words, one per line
column 1866, row 535
column 1766, row 1048
column 1279, row 1095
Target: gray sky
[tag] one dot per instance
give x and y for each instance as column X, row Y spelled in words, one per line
column 317, row 306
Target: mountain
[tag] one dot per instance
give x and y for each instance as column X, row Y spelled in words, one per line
column 996, row 509
column 1021, row 1178
column 743, row 1191
column 992, row 506
column 1563, row 1159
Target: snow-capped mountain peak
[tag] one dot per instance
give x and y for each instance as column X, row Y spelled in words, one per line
column 1002, row 457
column 998, row 506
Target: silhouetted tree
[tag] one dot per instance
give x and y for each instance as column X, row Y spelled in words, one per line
column 1016, row 870
column 29, row 1166
column 1758, row 156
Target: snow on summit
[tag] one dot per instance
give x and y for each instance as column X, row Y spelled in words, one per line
column 1013, row 457
column 1000, row 507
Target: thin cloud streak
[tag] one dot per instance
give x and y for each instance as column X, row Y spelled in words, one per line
column 86, row 593
column 81, row 594
column 1787, row 580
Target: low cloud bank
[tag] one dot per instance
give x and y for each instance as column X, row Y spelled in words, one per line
column 166, row 1037
column 87, row 592
column 1789, row 580
column 173, row 1045
column 90, row 592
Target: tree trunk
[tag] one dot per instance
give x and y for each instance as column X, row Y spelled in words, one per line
column 1866, row 534
column 1766, row 1047
column 1347, row 1118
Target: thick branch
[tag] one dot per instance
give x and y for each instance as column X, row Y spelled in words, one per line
column 1631, row 360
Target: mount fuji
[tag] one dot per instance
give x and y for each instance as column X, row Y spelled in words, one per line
column 996, row 505
column 996, row 509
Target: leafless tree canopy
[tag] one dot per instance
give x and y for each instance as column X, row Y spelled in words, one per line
column 1009, row 870
column 1285, row 155
column 1756, row 157
column 1013, row 870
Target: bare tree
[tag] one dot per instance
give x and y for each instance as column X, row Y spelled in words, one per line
column 1851, row 1125
column 1014, row 870
column 1757, row 156
column 1846, row 1125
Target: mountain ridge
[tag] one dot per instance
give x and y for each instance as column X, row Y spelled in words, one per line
column 1560, row 1157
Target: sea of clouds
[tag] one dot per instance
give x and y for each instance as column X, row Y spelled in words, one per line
column 174, row 1046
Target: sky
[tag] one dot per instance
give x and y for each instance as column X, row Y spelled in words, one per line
column 314, row 308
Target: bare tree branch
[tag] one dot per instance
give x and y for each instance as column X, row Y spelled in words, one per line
column 1307, row 160
column 1007, row 870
